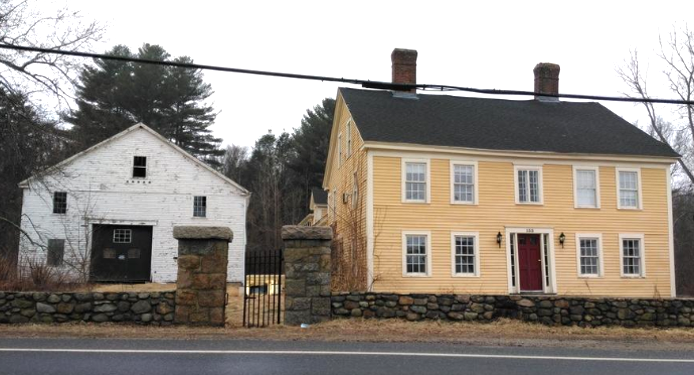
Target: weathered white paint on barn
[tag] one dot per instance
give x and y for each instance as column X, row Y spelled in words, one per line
column 101, row 189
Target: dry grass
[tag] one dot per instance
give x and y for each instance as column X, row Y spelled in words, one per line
column 502, row 332
column 34, row 276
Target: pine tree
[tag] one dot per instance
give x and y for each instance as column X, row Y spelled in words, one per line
column 114, row 95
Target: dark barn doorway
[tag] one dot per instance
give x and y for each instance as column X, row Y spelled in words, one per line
column 121, row 253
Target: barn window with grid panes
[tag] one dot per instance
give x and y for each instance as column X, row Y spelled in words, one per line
column 59, row 202
column 122, row 236
column 200, row 206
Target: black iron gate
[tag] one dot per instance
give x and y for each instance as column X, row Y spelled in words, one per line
column 263, row 294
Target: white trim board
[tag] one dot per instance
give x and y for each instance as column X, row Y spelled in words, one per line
column 544, row 230
column 476, row 249
column 406, row 233
column 601, row 267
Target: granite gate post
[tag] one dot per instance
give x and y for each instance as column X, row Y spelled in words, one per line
column 307, row 274
column 203, row 253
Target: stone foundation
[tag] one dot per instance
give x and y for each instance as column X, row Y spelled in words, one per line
column 142, row 308
column 584, row 312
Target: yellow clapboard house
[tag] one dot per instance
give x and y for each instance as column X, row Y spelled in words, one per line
column 451, row 194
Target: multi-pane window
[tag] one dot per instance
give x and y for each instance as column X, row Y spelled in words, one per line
column 628, row 189
column 200, row 206
column 59, row 202
column 528, row 185
column 416, row 254
column 56, row 252
column 140, row 167
column 464, row 256
column 463, row 183
column 632, row 256
column 586, row 188
column 416, row 182
column 589, row 256
column 122, row 235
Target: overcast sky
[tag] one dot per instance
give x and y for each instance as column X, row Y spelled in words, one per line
column 475, row 44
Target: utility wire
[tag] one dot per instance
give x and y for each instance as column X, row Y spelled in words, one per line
column 362, row 82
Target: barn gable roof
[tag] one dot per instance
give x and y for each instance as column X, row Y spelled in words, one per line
column 139, row 126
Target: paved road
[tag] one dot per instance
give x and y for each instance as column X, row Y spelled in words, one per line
column 199, row 357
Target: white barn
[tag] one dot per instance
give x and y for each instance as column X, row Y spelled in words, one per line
column 108, row 212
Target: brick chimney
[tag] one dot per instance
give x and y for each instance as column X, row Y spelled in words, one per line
column 404, row 66
column 546, row 80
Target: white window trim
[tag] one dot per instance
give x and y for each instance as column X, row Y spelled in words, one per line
column 596, row 169
column 639, row 188
column 475, row 198
column 348, row 130
column 538, row 168
column 627, row 236
column 404, row 252
column 403, row 177
column 476, row 236
column 601, row 267
column 339, row 149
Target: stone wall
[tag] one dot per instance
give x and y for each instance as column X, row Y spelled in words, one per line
column 202, row 273
column 307, row 274
column 584, row 312
column 39, row 307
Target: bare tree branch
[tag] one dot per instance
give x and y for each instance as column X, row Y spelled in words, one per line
column 631, row 74
column 25, row 23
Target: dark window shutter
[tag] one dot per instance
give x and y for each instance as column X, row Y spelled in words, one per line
column 56, row 252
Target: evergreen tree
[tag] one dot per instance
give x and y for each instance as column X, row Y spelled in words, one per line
column 311, row 142
column 113, row 95
column 280, row 172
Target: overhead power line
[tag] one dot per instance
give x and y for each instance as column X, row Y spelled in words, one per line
column 362, row 82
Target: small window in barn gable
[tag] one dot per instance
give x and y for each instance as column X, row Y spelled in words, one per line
column 140, row 167
column 200, row 206
column 59, row 202
column 122, row 236
column 56, row 251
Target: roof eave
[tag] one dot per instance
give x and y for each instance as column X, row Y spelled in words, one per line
column 393, row 146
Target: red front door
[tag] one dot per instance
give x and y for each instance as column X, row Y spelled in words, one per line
column 530, row 262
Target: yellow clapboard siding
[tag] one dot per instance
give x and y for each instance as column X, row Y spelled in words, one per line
column 348, row 219
column 497, row 208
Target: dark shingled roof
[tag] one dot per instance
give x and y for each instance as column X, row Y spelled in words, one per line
column 495, row 124
column 320, row 196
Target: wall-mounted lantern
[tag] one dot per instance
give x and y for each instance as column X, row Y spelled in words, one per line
column 562, row 238
column 498, row 239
